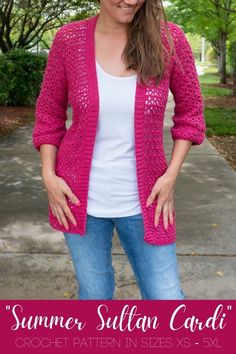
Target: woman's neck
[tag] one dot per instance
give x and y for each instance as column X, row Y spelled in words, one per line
column 107, row 25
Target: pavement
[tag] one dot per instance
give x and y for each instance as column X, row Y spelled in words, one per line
column 34, row 260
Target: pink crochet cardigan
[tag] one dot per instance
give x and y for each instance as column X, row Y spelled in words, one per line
column 70, row 77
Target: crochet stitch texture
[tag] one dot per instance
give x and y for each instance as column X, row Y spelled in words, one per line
column 70, row 77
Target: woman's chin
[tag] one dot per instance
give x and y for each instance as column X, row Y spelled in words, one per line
column 125, row 18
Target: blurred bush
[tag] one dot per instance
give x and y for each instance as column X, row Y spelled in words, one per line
column 21, row 74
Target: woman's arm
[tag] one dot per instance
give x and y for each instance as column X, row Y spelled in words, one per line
column 48, row 155
column 50, row 128
column 188, row 118
column 56, row 186
column 189, row 124
column 164, row 187
column 179, row 152
column 52, row 101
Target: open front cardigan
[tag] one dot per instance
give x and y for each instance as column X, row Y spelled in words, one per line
column 70, row 77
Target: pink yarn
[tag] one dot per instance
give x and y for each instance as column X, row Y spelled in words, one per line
column 70, row 77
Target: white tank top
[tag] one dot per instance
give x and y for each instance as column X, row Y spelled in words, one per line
column 113, row 190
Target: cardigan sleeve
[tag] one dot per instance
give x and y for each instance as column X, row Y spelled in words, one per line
column 51, row 104
column 188, row 118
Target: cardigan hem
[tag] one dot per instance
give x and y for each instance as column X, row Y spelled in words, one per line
column 148, row 237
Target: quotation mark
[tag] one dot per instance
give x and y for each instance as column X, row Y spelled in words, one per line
column 229, row 307
column 8, row 307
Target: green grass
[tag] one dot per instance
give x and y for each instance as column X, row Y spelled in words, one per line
column 220, row 121
column 207, row 78
column 207, row 91
column 198, row 62
column 211, row 70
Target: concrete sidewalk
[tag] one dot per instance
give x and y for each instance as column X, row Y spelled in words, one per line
column 34, row 260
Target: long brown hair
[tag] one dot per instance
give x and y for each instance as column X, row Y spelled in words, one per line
column 145, row 51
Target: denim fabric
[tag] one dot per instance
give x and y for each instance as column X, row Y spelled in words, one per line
column 155, row 267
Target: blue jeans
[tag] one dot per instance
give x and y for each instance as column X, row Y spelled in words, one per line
column 155, row 267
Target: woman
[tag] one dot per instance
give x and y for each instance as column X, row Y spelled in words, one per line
column 109, row 168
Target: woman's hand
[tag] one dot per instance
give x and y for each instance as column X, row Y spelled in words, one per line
column 164, row 190
column 57, row 190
